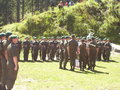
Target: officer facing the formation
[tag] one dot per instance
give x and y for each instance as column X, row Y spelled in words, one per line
column 72, row 49
column 26, row 48
column 35, row 49
column 13, row 56
column 92, row 54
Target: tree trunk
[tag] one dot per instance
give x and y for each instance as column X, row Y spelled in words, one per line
column 18, row 10
column 23, row 7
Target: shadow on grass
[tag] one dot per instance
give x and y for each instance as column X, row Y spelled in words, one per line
column 100, row 67
column 31, row 61
column 89, row 72
column 110, row 61
column 39, row 61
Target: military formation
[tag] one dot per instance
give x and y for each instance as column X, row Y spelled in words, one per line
column 63, row 49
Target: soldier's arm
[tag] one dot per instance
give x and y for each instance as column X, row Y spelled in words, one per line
column 15, row 59
column 6, row 54
column 68, row 51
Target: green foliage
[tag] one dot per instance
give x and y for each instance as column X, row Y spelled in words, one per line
column 102, row 18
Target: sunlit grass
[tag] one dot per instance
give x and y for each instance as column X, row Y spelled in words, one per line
column 47, row 76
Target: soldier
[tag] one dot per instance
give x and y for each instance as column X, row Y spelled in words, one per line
column 6, row 42
column 108, row 49
column 26, row 48
column 35, row 49
column 1, row 54
column 20, row 47
column 100, row 48
column 13, row 58
column 66, row 52
column 83, row 55
column 40, row 54
column 92, row 54
column 103, row 51
column 44, row 46
column 62, row 54
column 72, row 49
column 53, row 49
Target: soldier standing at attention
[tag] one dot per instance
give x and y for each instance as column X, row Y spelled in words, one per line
column 62, row 54
column 100, row 48
column 20, row 46
column 108, row 49
column 6, row 42
column 72, row 49
column 66, row 52
column 35, row 49
column 44, row 46
column 92, row 54
column 1, row 55
column 13, row 58
column 26, row 48
column 83, row 55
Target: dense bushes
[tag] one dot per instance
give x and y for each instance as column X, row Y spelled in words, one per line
column 102, row 18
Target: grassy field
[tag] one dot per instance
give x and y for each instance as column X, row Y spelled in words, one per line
column 47, row 76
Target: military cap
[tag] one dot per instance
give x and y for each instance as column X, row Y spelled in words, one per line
column 63, row 37
column 2, row 34
column 8, row 33
column 13, row 36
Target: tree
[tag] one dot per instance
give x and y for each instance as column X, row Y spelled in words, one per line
column 18, row 10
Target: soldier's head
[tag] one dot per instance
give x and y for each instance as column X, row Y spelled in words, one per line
column 27, row 38
column 83, row 40
column 14, row 38
column 67, row 37
column 8, row 34
column 93, row 38
column 73, row 36
column 2, row 36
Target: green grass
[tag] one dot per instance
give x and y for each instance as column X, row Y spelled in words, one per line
column 47, row 76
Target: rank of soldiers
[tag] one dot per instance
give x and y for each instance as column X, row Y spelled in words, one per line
column 63, row 49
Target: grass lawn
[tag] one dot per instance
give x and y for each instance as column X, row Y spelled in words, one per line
column 47, row 76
